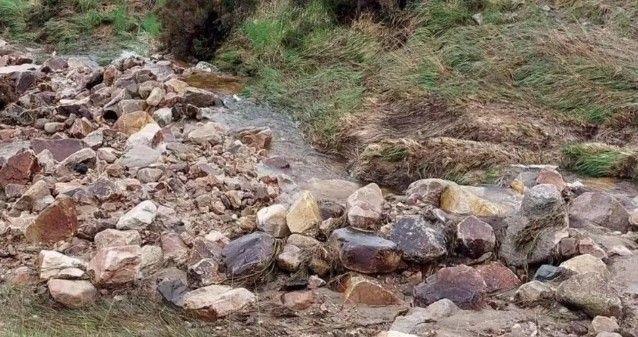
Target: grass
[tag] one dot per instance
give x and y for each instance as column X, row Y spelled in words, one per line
column 575, row 63
column 599, row 160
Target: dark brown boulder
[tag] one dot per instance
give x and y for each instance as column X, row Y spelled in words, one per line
column 249, row 255
column 461, row 284
column 19, row 169
column 363, row 251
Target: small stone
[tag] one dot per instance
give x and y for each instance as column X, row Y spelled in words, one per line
column 163, row 116
column 53, row 127
column 290, row 258
column 498, row 278
column 588, row 246
column 139, row 217
column 298, row 300
column 116, row 265
column 547, row 272
column 72, row 294
column 418, row 240
column 217, row 301
column 605, row 324
column 609, row 334
column 417, row 316
column 206, row 272
column 53, row 264
column 550, row 176
column 249, row 255
column 156, row 96
column 139, row 156
column 532, row 293
column 56, row 222
column 258, row 138
column 129, row 106
column 152, row 257
column 209, row 133
column 364, row 207
column 35, row 199
column 303, row 215
column 428, row 190
column 364, row 252
column 113, row 237
column 592, row 293
column 476, row 237
column 200, row 98
column 461, row 284
column 620, row 250
column 272, row 220
column 458, row 199
column 365, row 290
column 19, row 169
column 133, row 122
column 174, row 248
column 585, row 263
column 149, row 175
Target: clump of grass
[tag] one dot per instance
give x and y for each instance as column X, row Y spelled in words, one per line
column 12, row 15
column 600, row 160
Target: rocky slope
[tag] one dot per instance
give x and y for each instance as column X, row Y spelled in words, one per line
column 116, row 182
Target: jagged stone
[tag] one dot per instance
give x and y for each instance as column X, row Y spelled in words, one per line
column 419, row 241
column 585, row 263
column 475, row 236
column 53, row 264
column 56, row 222
column 217, row 301
column 272, row 220
column 19, row 169
column 497, row 277
column 365, row 206
column 592, row 293
column 599, row 209
column 365, row 290
column 112, row 266
column 249, row 255
column 364, row 252
column 303, row 215
column 139, row 216
column 113, row 237
column 461, row 284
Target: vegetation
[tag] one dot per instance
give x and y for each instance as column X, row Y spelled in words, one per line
column 599, row 160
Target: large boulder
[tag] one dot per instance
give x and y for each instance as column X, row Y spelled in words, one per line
column 533, row 233
column 461, row 284
column 56, row 222
column 217, row 301
column 418, row 240
column 365, row 206
column 364, row 252
column 249, row 255
column 592, row 293
column 599, row 209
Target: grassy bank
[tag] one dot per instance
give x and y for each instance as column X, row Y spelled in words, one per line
column 572, row 64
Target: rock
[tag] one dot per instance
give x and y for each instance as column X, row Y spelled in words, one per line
column 35, row 199
column 72, row 294
column 80, row 128
column 258, row 138
column 620, row 250
column 249, row 255
column 139, row 217
column 209, row 133
column 462, row 200
column 418, row 240
column 548, row 272
column 133, row 122
column 428, row 190
column 156, row 96
column 113, row 238
column 152, row 257
column 534, row 232
column 19, row 169
column 298, row 300
column 56, row 222
column 498, row 278
column 599, row 209
column 461, row 284
column 78, row 162
column 53, row 127
column 174, row 248
column 532, row 293
column 604, row 324
column 163, row 116
column 206, row 272
column 588, row 246
column 592, row 293
column 608, row 334
column 290, row 258
column 549, row 175
column 144, row 136
column 366, row 290
column 364, row 252
column 149, row 175
column 303, row 215
column 272, row 220
column 417, row 316
column 128, row 106
column 116, row 265
column 475, row 236
column 217, row 301
column 175, row 85
column 200, row 98
column 585, row 263
column 57, row 265
column 139, row 156
column 364, row 207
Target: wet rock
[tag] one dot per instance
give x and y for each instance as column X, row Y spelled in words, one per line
column 139, row 217
column 72, row 294
column 19, row 169
column 599, row 209
column 532, row 293
column 53, row 264
column 547, row 272
column 56, row 222
column 604, row 324
column 249, row 255
column 133, row 122
column 209, row 133
column 476, row 237
column 497, row 277
column 592, row 293
column 534, row 232
column 217, row 301
column 290, row 258
column 113, row 237
column 364, row 207
column 116, row 265
column 366, row 290
column 418, row 240
column 272, row 220
column 298, row 300
column 428, row 190
column 303, row 215
column 364, row 252
column 585, row 263
column 200, row 98
column 461, row 284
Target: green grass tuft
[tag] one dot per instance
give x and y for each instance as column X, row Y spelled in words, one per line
column 599, row 160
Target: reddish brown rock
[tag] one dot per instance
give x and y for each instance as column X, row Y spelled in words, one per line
column 364, row 252
column 19, row 169
column 461, row 284
column 366, row 290
column 298, row 300
column 116, row 265
column 133, row 122
column 56, row 222
column 476, row 237
column 59, row 148
column 498, row 277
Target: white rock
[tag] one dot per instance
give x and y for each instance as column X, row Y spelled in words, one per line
column 113, row 237
column 57, row 265
column 217, row 301
column 139, row 217
column 272, row 220
column 72, row 294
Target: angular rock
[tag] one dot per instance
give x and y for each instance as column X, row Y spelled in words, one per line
column 290, row 258
column 19, row 169
column 417, row 316
column 428, row 190
column 35, row 199
column 156, row 96
column 497, row 277
column 149, row 175
column 365, row 206
column 461, row 284
column 72, row 294
column 532, row 293
column 56, row 222
column 116, row 265
column 592, row 293
column 548, row 272
column 200, row 98
column 174, row 248
column 418, row 240
column 272, row 220
column 249, row 255
column 53, row 264
column 476, row 237
column 206, row 272
column 258, row 138
column 364, row 252
column 586, row 263
column 59, row 148
column 550, row 176
column 604, row 324
column 209, row 133
column 599, row 209
column 462, row 200
column 217, row 301
column 303, row 215
column 366, row 290
column 133, row 122
column 138, row 217
column 139, row 156
column 113, row 238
